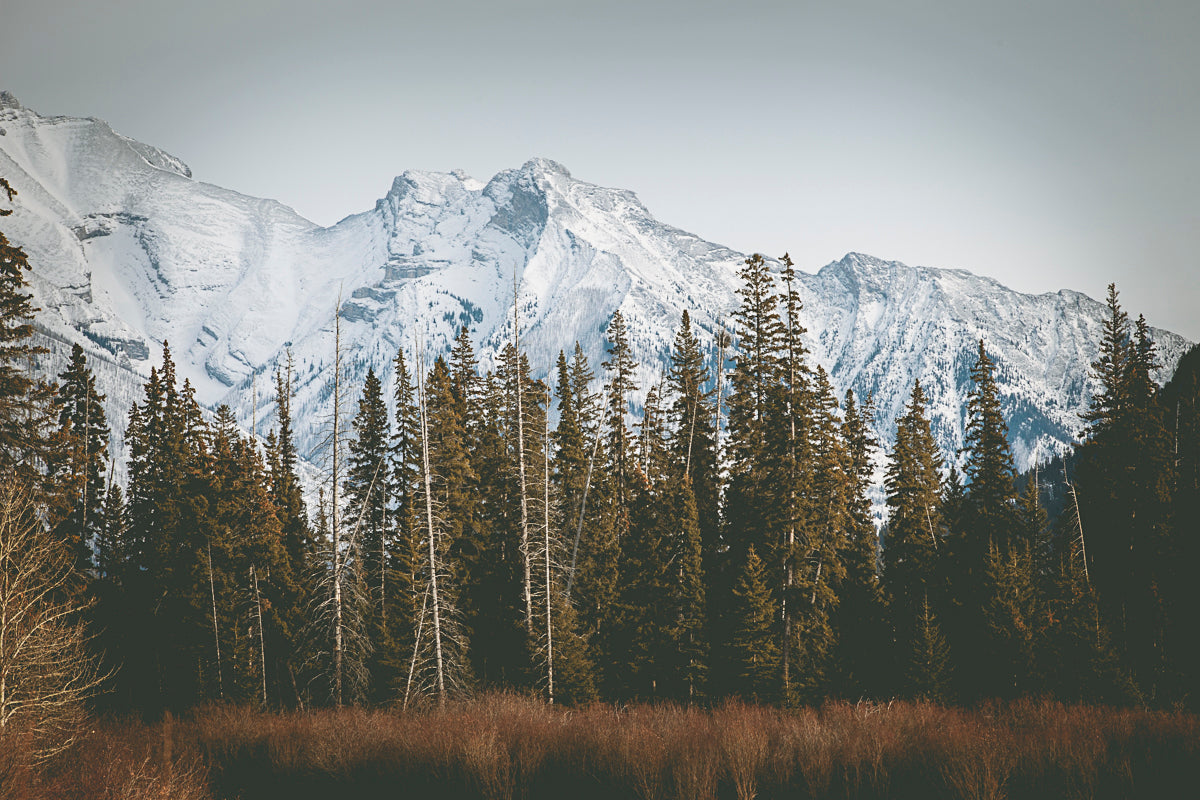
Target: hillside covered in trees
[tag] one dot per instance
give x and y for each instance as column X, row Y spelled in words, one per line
column 721, row 544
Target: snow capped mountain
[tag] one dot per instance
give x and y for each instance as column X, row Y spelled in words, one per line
column 130, row 251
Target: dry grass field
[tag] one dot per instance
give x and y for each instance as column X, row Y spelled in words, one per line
column 505, row 746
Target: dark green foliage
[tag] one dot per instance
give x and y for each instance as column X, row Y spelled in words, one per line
column 817, row 564
column 753, row 647
column 1126, row 475
column 755, row 381
column 368, row 518
column 80, row 459
column 367, row 488
column 989, row 466
column 589, row 547
column 1181, row 406
column 694, row 442
column 913, row 539
column 995, row 611
column 285, row 485
column 929, row 667
column 860, row 618
column 622, row 465
column 24, row 401
column 1016, row 616
column 622, row 557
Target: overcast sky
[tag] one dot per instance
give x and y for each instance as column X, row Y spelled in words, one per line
column 1046, row 144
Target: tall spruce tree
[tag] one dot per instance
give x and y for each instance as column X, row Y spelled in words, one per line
column 24, row 400
column 618, row 479
column 165, row 583
column 930, row 666
column 405, row 466
column 990, row 568
column 989, row 463
column 818, row 562
column 753, row 643
column 285, row 483
column 757, row 479
column 618, row 390
column 589, row 547
column 755, row 381
column 81, row 458
column 367, row 502
column 694, row 441
column 1125, row 471
column 860, row 620
column 911, row 572
column 447, row 504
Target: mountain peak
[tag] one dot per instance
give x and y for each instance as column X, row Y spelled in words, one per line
column 9, row 100
column 545, row 166
column 123, row 263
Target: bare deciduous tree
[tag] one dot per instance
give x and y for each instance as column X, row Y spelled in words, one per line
column 47, row 670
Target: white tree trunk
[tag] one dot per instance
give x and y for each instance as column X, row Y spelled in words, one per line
column 429, row 532
column 546, row 559
column 525, row 555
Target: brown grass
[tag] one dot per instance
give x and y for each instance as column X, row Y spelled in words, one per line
column 111, row 760
column 506, row 746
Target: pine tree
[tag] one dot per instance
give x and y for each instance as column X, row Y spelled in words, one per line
column 439, row 664
column 590, row 551
column 620, row 386
column 579, row 439
column 1180, row 401
column 642, row 614
column 1125, row 471
column 405, row 558
column 687, row 655
column 989, row 464
column 1154, row 555
column 694, row 446
column 367, row 499
column 755, row 379
column 251, row 565
column 1015, row 615
column 800, row 455
column 492, row 562
column 285, row 484
column 929, row 668
column 912, row 481
column 755, row 653
column 24, row 401
column 1110, row 369
column 83, row 431
column 860, row 618
column 988, row 626
column 168, row 526
column 694, row 441
column 759, row 511
column 817, row 562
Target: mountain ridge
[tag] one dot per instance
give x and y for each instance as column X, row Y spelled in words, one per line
column 130, row 250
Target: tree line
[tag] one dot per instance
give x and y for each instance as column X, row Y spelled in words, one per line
column 720, row 542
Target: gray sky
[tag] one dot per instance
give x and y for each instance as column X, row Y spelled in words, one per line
column 1047, row 144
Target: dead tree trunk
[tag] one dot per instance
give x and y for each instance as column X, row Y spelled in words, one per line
column 429, row 532
column 212, row 588
column 546, row 560
column 338, row 645
column 262, row 647
column 525, row 555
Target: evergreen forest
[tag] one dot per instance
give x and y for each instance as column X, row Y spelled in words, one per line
column 485, row 531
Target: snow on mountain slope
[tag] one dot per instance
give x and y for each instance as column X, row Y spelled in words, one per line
column 129, row 251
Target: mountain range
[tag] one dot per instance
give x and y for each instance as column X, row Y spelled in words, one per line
column 130, row 251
